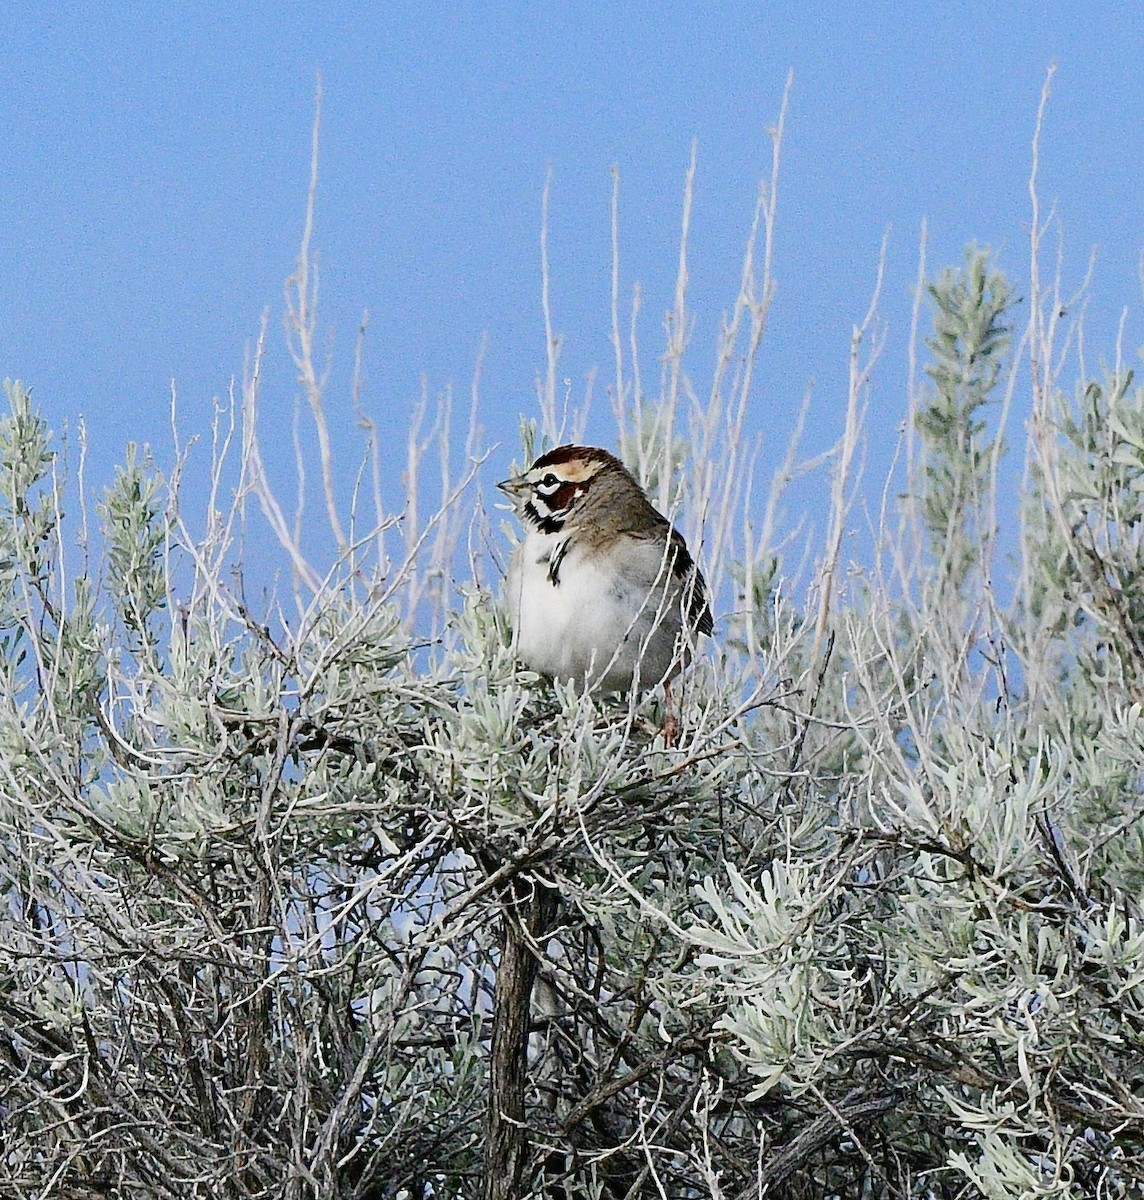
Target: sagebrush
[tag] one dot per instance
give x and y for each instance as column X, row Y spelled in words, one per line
column 320, row 895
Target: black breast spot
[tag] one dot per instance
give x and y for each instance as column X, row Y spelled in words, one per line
column 554, row 561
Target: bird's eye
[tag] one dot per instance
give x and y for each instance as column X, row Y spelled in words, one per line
column 549, row 483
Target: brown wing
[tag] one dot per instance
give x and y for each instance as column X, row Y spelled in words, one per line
column 643, row 520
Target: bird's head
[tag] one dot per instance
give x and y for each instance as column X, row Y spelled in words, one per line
column 559, row 484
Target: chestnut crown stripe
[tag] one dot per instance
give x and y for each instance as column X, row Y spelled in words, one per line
column 564, row 454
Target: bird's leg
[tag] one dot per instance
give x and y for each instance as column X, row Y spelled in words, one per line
column 670, row 724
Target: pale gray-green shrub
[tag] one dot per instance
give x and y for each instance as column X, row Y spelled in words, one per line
column 872, row 929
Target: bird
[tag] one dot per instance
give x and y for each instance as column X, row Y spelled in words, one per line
column 602, row 589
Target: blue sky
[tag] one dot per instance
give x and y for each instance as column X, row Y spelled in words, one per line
column 156, row 161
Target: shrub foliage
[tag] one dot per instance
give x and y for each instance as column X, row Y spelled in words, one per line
column 324, row 896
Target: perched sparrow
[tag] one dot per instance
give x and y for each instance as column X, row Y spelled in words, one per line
column 602, row 589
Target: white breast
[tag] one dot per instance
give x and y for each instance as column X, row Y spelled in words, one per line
column 612, row 619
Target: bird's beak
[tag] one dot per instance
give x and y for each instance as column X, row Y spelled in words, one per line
column 512, row 487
